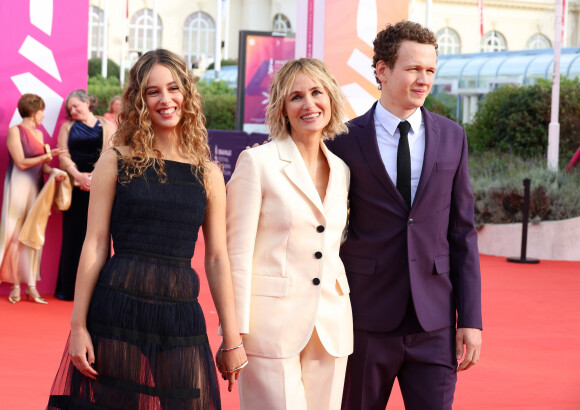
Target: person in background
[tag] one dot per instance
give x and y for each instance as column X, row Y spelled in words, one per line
column 28, row 161
column 411, row 254
column 112, row 115
column 83, row 136
column 286, row 215
column 138, row 337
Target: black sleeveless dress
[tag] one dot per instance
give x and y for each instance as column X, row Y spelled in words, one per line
column 84, row 145
column 147, row 327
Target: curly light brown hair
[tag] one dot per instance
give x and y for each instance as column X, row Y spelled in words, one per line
column 29, row 104
column 136, row 129
column 281, row 88
column 388, row 42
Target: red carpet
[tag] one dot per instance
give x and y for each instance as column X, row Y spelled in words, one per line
column 530, row 356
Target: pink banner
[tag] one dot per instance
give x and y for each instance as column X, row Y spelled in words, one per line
column 43, row 50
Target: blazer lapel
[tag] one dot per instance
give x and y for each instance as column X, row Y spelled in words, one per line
column 296, row 171
column 367, row 139
column 432, row 137
column 335, row 178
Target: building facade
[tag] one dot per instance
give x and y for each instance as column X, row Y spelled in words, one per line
column 507, row 25
column 189, row 27
column 185, row 27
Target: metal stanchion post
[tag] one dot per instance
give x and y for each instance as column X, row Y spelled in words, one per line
column 526, row 212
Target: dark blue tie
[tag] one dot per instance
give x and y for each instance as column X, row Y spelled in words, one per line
column 404, row 163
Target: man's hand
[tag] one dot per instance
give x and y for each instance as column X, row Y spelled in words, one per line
column 471, row 338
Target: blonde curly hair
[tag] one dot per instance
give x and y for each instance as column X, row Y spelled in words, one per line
column 136, row 129
column 281, row 88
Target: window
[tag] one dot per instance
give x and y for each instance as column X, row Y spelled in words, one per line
column 493, row 41
column 199, row 39
column 141, row 31
column 96, row 30
column 448, row 41
column 538, row 41
column 281, row 24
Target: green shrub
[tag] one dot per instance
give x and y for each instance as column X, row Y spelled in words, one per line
column 436, row 105
column 214, row 87
column 219, row 111
column 104, row 89
column 223, row 63
column 113, row 69
column 498, row 190
column 516, row 118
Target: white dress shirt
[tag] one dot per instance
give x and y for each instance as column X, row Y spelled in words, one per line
column 388, row 141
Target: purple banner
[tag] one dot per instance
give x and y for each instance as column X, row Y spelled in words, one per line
column 226, row 146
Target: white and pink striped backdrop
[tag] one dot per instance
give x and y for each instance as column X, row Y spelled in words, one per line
column 43, row 50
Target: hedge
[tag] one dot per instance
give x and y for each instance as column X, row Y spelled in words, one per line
column 103, row 89
column 516, row 118
column 498, row 190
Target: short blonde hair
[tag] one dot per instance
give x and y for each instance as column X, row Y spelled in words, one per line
column 281, row 88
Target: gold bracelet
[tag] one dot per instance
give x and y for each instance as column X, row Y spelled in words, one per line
column 238, row 368
column 232, row 348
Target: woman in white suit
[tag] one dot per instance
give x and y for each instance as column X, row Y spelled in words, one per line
column 286, row 215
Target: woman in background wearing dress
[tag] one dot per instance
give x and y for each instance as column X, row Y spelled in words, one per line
column 114, row 109
column 286, row 214
column 84, row 136
column 138, row 337
column 24, row 178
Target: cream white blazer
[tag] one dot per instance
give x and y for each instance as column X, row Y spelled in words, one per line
column 283, row 244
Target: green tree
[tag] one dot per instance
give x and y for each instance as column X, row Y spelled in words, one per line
column 515, row 119
column 104, row 89
column 113, row 69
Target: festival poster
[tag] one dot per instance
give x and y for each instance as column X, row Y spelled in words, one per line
column 43, row 50
column 261, row 56
column 349, row 30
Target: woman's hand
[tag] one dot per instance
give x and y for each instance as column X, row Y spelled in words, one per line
column 57, row 151
column 84, row 180
column 59, row 174
column 230, row 363
column 81, row 352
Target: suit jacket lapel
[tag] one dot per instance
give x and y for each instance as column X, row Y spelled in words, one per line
column 432, row 138
column 367, row 139
column 296, row 171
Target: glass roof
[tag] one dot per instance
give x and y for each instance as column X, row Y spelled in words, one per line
column 525, row 67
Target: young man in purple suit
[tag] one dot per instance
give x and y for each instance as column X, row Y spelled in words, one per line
column 411, row 255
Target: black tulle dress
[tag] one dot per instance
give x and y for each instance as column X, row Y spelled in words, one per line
column 147, row 327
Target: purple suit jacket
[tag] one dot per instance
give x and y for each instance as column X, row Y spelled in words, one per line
column 428, row 252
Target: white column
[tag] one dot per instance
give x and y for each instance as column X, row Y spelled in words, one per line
column 428, row 4
column 554, row 127
column 105, row 39
column 123, row 45
column 218, row 39
column 154, row 24
column 90, row 34
column 226, row 5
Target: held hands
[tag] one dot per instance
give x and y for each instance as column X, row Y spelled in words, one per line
column 471, row 338
column 230, row 361
column 84, row 180
column 81, row 352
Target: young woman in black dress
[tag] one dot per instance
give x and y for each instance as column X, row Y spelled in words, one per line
column 138, row 338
